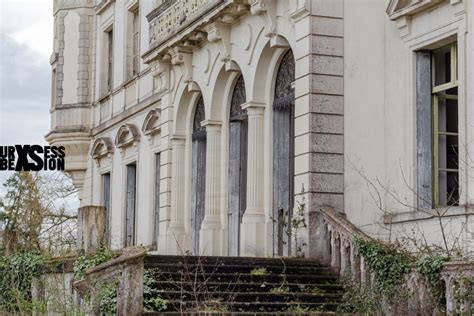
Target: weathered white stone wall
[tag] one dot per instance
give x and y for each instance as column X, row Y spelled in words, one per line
column 355, row 114
column 380, row 118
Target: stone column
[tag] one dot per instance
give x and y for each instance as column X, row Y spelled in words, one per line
column 176, row 231
column 252, row 240
column 210, row 237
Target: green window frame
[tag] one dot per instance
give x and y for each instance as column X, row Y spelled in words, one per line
column 444, row 100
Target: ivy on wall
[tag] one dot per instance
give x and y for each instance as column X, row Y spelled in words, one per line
column 390, row 266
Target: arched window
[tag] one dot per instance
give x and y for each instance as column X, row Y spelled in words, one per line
column 238, row 130
column 283, row 153
column 198, row 173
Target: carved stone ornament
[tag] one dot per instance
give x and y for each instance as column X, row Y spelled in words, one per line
column 102, row 147
column 199, row 131
column 127, row 135
column 238, row 98
column 151, row 124
column 284, row 91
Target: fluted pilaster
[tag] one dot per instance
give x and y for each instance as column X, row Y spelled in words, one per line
column 176, row 231
column 210, row 242
column 213, row 183
column 253, row 221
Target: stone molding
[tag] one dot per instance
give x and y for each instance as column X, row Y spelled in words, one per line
column 407, row 8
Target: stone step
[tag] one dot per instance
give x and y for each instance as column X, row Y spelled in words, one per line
column 255, row 307
column 274, row 313
column 250, row 286
column 246, row 277
column 243, row 285
column 246, row 261
column 253, row 296
column 223, row 268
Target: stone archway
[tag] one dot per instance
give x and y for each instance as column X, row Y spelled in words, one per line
column 283, row 154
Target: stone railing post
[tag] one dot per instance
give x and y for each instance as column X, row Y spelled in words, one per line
column 355, row 263
column 210, row 235
column 457, row 277
column 176, row 240
column 253, row 220
column 335, row 251
column 91, row 228
column 345, row 257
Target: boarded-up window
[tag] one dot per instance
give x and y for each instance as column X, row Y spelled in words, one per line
column 424, row 130
column 198, row 174
column 106, row 203
column 110, row 59
column 130, row 215
column 238, row 131
column 136, row 42
column 283, row 154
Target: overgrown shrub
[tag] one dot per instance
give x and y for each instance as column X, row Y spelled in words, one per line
column 16, row 275
column 430, row 267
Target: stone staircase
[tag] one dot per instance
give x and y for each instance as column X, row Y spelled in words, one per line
column 240, row 285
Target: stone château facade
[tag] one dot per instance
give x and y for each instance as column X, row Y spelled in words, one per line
column 205, row 126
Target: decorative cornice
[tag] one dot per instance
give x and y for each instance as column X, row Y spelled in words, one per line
column 102, row 147
column 127, row 135
column 102, row 6
column 151, row 124
column 407, row 8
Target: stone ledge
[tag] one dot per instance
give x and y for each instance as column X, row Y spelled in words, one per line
column 427, row 215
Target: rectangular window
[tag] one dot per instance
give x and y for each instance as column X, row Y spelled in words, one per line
column 445, row 126
column 110, row 59
column 136, row 42
column 106, row 203
column 130, row 215
column 437, row 127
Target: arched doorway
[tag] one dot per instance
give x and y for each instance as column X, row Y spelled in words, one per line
column 283, row 154
column 238, row 130
column 198, row 174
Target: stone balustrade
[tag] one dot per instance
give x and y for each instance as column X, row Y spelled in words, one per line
column 335, row 246
column 458, row 276
column 172, row 16
column 127, row 271
column 335, row 243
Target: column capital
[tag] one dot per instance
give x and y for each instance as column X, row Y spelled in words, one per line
column 254, row 108
column 177, row 140
column 212, row 125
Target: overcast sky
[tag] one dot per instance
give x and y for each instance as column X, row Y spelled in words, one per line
column 26, row 42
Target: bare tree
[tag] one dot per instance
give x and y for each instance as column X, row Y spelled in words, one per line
column 34, row 212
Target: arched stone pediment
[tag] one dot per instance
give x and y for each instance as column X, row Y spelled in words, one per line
column 102, row 147
column 151, row 124
column 128, row 134
column 403, row 8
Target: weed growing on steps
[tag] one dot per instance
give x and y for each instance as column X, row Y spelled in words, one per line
column 152, row 300
column 283, row 289
column 295, row 224
column 258, row 272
